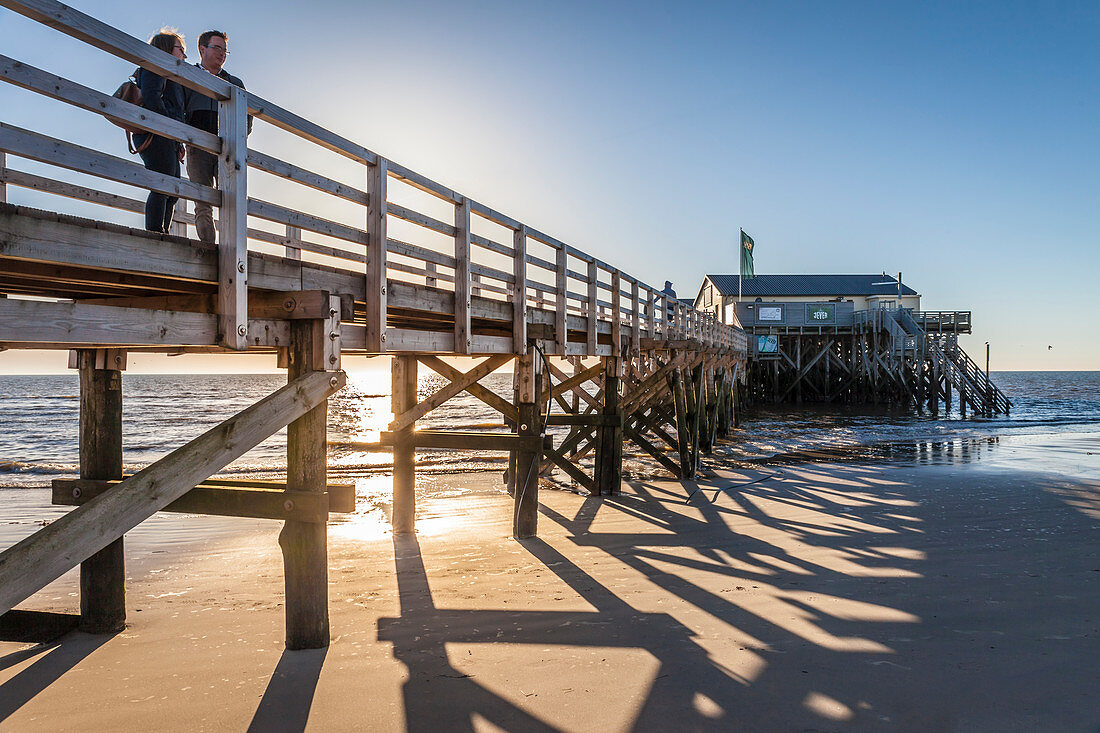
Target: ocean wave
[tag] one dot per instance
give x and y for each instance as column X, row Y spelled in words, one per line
column 38, row 468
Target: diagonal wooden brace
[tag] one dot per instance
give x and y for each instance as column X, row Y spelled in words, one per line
column 31, row 564
column 476, row 374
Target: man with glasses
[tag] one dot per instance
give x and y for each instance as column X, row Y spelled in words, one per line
column 202, row 112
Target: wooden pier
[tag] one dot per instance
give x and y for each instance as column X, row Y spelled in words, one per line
column 879, row 356
column 317, row 265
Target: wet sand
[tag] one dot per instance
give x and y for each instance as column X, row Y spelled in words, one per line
column 806, row 597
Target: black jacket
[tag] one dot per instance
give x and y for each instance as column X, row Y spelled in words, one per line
column 202, row 111
column 160, row 95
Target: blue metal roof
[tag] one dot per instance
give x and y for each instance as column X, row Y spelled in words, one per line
column 810, row 285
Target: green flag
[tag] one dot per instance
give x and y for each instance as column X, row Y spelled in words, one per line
column 746, row 256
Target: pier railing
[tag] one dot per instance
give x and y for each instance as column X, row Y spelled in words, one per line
column 359, row 211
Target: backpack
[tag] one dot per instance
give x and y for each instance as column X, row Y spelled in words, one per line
column 131, row 92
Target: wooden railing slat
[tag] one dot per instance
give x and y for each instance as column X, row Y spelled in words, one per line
column 44, row 149
column 56, row 87
column 274, row 166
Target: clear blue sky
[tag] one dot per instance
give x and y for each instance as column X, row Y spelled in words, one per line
column 954, row 142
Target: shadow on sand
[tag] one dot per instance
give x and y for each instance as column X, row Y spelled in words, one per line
column 817, row 600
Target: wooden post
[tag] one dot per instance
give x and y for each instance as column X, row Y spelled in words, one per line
column 103, row 575
column 293, row 243
column 519, row 290
column 697, row 410
column 593, row 290
column 402, row 398
column 463, row 284
column 635, row 320
column 609, row 443
column 233, row 221
column 526, row 482
column 3, row 173
column 683, row 432
column 375, row 273
column 561, row 278
column 305, row 544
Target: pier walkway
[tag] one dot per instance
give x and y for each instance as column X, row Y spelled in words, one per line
column 328, row 252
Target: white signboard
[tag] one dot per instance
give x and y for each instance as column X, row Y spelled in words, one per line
column 769, row 313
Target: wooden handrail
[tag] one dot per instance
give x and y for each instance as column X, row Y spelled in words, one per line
column 603, row 286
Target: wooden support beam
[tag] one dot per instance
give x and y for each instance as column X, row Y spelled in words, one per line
column 561, row 279
column 419, row 410
column 569, row 383
column 519, row 289
column 484, row 394
column 102, row 575
column 616, row 314
column 589, row 419
column 571, row 469
column 305, row 544
column 526, row 481
column 272, row 501
column 658, row 455
column 31, row 564
column 464, row 440
column 696, row 408
column 403, row 400
column 683, row 431
column 73, row 325
column 609, row 438
column 375, row 276
column 592, row 306
column 233, row 221
column 463, row 292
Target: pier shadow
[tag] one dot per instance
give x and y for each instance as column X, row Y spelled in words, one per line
column 54, row 660
column 285, row 705
column 819, row 599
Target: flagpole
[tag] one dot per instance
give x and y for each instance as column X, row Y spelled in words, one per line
column 740, row 254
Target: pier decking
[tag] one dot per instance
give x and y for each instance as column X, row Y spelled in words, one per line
column 339, row 252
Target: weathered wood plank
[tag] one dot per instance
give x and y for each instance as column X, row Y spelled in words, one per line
column 271, row 164
column 463, row 295
column 375, row 270
column 271, row 502
column 56, row 87
column 96, row 33
column 233, row 223
column 45, row 149
column 463, row 440
column 290, row 217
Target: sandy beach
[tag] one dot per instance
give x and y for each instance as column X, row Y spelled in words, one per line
column 805, row 597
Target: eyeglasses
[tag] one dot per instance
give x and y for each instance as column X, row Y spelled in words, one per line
column 223, row 49
column 180, row 48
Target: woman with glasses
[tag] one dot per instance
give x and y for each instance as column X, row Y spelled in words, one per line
column 158, row 153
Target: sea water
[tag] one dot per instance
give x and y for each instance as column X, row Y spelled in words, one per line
column 39, row 420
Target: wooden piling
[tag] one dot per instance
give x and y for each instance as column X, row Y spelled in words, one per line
column 526, row 482
column 402, row 398
column 103, row 575
column 609, row 446
column 305, row 544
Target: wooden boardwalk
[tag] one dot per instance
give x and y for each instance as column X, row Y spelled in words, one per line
column 335, row 253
